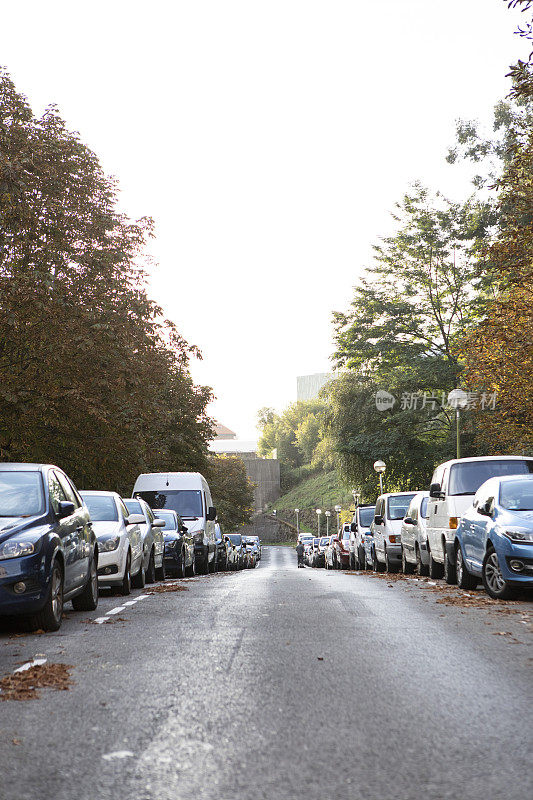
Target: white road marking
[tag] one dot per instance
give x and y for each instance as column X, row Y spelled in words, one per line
column 116, row 610
column 130, row 603
column 117, row 754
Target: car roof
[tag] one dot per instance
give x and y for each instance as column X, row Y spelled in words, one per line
column 472, row 459
column 14, row 466
column 399, row 494
column 94, row 492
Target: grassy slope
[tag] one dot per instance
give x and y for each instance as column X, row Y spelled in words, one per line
column 321, row 491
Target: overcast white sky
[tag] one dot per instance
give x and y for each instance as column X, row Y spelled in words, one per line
column 269, row 139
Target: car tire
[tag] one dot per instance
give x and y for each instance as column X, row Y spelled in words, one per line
column 407, row 568
column 377, row 566
column 138, row 581
column 388, row 566
column 366, row 566
column 465, row 579
column 493, row 581
column 50, row 616
column 161, row 572
column 125, row 586
column 435, row 569
column 150, row 572
column 181, row 571
column 88, row 599
column 190, row 572
column 421, row 568
column 213, row 565
column 450, row 574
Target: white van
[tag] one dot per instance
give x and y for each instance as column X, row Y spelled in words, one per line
column 188, row 494
column 452, row 489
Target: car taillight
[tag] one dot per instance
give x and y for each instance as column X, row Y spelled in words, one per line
column 453, row 523
column 394, row 539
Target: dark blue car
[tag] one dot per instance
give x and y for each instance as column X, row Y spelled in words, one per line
column 48, row 550
column 494, row 540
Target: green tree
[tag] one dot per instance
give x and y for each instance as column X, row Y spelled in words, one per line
column 232, row 491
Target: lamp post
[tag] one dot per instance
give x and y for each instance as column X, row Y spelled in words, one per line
column 356, row 497
column 380, row 468
column 327, row 515
column 338, row 510
column 458, row 399
column 297, row 512
column 318, row 513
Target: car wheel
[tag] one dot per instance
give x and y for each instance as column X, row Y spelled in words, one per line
column 213, row 564
column 50, row 616
column 465, row 579
column 450, row 574
column 435, row 569
column 88, row 599
column 138, row 581
column 407, row 568
column 125, row 587
column 181, row 571
column 389, row 567
column 190, row 572
column 150, row 572
column 493, row 581
column 161, row 572
column 376, row 565
column 421, row 568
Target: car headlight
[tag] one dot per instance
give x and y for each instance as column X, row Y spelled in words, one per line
column 516, row 534
column 106, row 545
column 171, row 545
column 15, row 548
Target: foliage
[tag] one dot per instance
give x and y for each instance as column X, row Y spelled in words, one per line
column 92, row 377
column 232, row 491
column 295, row 433
column 499, row 351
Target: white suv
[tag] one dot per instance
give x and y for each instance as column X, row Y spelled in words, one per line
column 391, row 508
column 452, row 489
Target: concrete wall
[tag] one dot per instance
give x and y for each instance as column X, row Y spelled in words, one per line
column 264, row 473
column 269, row 529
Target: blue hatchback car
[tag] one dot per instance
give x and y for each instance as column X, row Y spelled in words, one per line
column 48, row 550
column 494, row 539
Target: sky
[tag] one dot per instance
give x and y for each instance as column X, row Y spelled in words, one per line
column 269, row 140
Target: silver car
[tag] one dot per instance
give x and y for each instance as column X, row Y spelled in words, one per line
column 152, row 539
column 415, row 554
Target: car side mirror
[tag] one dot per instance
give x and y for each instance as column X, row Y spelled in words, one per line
column 409, row 521
column 353, row 527
column 158, row 523
column 211, row 514
column 378, row 519
column 183, row 529
column 485, row 509
column 435, row 491
column 65, row 509
column 135, row 519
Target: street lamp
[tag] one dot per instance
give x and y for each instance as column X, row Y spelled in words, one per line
column 297, row 512
column 318, row 513
column 380, row 468
column 327, row 515
column 338, row 510
column 458, row 399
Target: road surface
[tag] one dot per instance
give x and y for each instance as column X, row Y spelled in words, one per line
column 278, row 683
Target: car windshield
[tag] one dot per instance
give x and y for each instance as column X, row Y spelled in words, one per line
column 517, row 495
column 424, row 508
column 235, row 538
column 169, row 519
column 346, row 535
column 186, row 502
column 134, row 507
column 101, row 507
column 366, row 515
column 316, row 542
column 21, row 494
column 324, row 540
column 398, row 504
column 466, row 478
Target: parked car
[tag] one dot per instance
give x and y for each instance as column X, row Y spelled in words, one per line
column 308, row 548
column 179, row 546
column 494, row 539
column 251, row 542
column 250, row 549
column 120, row 555
column 320, row 557
column 391, row 508
column 238, row 550
column 223, row 549
column 152, row 540
column 189, row 495
column 359, row 531
column 330, row 555
column 453, row 486
column 342, row 547
column 48, row 549
column 414, row 535
column 258, row 542
column 315, row 543
column 304, row 537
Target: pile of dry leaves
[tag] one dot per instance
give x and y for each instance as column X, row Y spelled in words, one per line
column 25, row 685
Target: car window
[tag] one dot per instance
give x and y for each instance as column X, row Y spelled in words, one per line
column 517, row 495
column 123, row 510
column 467, row 477
column 424, row 507
column 57, row 495
column 101, row 507
column 21, row 494
column 397, row 505
column 366, row 515
column 67, row 489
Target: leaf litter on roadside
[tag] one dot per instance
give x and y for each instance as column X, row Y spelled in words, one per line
column 25, row 685
column 163, row 588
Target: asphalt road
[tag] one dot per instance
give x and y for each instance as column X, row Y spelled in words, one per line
column 278, row 683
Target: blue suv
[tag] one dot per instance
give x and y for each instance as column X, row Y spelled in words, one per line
column 494, row 539
column 48, row 550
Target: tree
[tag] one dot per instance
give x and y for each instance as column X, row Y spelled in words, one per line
column 93, row 377
column 232, row 491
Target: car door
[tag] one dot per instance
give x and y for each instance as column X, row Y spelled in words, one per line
column 81, row 540
column 408, row 528
column 379, row 528
column 477, row 535
column 66, row 529
column 435, row 515
column 134, row 535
